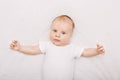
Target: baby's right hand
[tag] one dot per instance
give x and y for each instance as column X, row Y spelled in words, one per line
column 15, row 45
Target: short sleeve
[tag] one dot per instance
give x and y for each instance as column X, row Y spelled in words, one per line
column 42, row 46
column 78, row 51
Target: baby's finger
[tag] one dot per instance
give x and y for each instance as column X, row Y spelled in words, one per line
column 15, row 41
column 99, row 46
column 102, row 50
column 11, row 46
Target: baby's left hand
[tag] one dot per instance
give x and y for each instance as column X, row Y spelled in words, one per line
column 100, row 49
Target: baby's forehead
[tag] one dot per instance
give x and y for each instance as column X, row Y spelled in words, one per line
column 61, row 22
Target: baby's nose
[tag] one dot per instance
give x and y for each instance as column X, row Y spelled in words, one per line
column 57, row 35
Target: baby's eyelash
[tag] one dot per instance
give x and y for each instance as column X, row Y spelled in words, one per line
column 55, row 30
column 63, row 33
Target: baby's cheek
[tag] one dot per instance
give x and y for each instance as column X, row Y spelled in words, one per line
column 66, row 40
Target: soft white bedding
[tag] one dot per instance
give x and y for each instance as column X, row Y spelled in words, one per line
column 21, row 67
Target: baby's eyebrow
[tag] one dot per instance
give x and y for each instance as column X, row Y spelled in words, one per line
column 54, row 29
column 64, row 31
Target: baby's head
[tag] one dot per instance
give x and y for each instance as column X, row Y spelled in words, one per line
column 61, row 30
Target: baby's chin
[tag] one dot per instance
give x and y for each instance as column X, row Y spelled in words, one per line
column 60, row 44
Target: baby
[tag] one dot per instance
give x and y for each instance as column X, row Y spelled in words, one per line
column 59, row 51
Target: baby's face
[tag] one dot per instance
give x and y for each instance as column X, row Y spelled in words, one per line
column 61, row 32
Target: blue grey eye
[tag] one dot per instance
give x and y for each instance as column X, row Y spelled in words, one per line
column 63, row 33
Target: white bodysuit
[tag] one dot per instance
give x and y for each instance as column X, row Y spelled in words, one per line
column 59, row 60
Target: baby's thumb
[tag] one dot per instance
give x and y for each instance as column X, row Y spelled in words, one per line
column 98, row 45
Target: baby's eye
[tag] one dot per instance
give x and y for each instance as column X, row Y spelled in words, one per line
column 54, row 30
column 63, row 33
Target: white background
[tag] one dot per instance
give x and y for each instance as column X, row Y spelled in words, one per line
column 29, row 20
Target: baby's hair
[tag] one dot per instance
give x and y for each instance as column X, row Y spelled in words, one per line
column 65, row 18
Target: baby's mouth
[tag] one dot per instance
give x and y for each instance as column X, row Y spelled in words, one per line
column 56, row 40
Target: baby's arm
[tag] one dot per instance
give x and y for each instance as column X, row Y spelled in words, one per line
column 89, row 52
column 32, row 50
